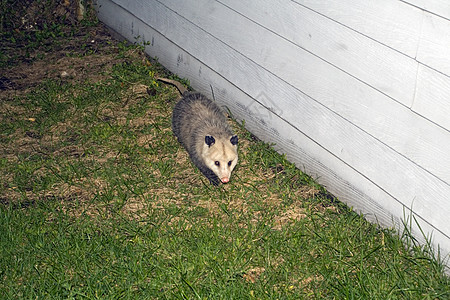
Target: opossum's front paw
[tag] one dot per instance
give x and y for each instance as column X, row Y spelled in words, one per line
column 214, row 181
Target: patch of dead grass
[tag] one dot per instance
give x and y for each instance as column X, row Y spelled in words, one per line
column 253, row 274
column 287, row 217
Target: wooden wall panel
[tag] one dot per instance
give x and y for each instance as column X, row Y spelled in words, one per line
column 437, row 7
column 369, row 61
column 433, row 98
column 434, row 45
column 390, row 22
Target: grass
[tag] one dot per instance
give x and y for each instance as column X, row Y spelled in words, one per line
column 99, row 201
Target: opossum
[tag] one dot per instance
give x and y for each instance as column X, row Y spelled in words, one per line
column 201, row 128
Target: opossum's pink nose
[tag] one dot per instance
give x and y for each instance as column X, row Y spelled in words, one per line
column 225, row 179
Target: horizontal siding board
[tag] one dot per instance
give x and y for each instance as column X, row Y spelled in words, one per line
column 360, row 151
column 390, row 72
column 367, row 108
column 434, row 45
column 403, row 27
column 433, row 97
column 437, row 7
column 393, row 23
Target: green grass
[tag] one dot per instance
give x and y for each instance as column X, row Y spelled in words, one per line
column 99, row 201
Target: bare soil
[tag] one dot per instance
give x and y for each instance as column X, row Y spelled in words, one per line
column 68, row 61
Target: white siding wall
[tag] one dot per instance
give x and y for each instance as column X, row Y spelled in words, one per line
column 355, row 92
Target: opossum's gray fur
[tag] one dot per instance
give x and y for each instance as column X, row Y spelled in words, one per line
column 200, row 126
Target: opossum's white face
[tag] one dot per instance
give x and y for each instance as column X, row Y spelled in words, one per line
column 220, row 155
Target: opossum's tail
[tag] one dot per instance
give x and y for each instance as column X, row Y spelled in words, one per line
column 175, row 83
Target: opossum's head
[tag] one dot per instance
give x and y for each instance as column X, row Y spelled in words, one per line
column 220, row 155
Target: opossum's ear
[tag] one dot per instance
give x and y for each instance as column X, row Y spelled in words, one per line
column 234, row 140
column 209, row 140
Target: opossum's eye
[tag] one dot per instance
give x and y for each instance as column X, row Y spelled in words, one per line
column 229, row 163
column 217, row 163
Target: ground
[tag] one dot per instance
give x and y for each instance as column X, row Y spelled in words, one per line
column 77, row 55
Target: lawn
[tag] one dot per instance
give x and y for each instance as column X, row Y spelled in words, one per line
column 99, row 201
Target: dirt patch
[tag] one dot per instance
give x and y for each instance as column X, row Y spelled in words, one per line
column 69, row 63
